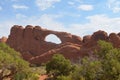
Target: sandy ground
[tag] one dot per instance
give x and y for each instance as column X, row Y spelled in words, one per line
column 43, row 77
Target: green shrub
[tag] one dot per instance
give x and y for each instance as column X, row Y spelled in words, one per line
column 63, row 78
column 58, row 66
column 11, row 61
column 106, row 65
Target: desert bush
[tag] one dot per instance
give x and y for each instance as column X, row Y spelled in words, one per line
column 58, row 66
column 64, row 78
column 11, row 61
column 105, row 67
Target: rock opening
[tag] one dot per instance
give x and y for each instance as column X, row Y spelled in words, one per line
column 52, row 38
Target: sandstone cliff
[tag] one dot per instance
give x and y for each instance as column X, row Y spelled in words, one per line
column 30, row 42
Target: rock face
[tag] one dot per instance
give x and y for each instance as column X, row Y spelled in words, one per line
column 115, row 39
column 3, row 39
column 30, row 42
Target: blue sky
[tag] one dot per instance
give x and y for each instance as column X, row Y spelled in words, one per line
column 80, row 17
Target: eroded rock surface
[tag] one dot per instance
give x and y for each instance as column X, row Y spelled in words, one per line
column 3, row 39
column 30, row 42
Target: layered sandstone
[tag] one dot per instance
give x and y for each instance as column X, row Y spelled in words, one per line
column 30, row 42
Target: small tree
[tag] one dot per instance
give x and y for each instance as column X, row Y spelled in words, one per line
column 110, row 60
column 13, row 66
column 87, row 70
column 58, row 66
column 105, row 67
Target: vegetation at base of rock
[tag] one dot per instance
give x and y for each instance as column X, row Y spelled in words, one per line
column 59, row 66
column 13, row 66
column 104, row 66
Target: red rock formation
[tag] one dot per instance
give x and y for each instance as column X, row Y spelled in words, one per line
column 30, row 41
column 119, row 34
column 3, row 39
column 86, row 38
column 114, row 39
column 99, row 35
column 91, row 41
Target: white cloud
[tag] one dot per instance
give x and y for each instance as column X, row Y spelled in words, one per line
column 0, row 8
column 96, row 22
column 16, row 6
column 20, row 16
column 5, row 27
column 45, row 20
column 114, row 5
column 52, row 38
column 44, row 4
column 85, row 7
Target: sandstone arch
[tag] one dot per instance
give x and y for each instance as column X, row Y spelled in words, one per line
column 30, row 42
